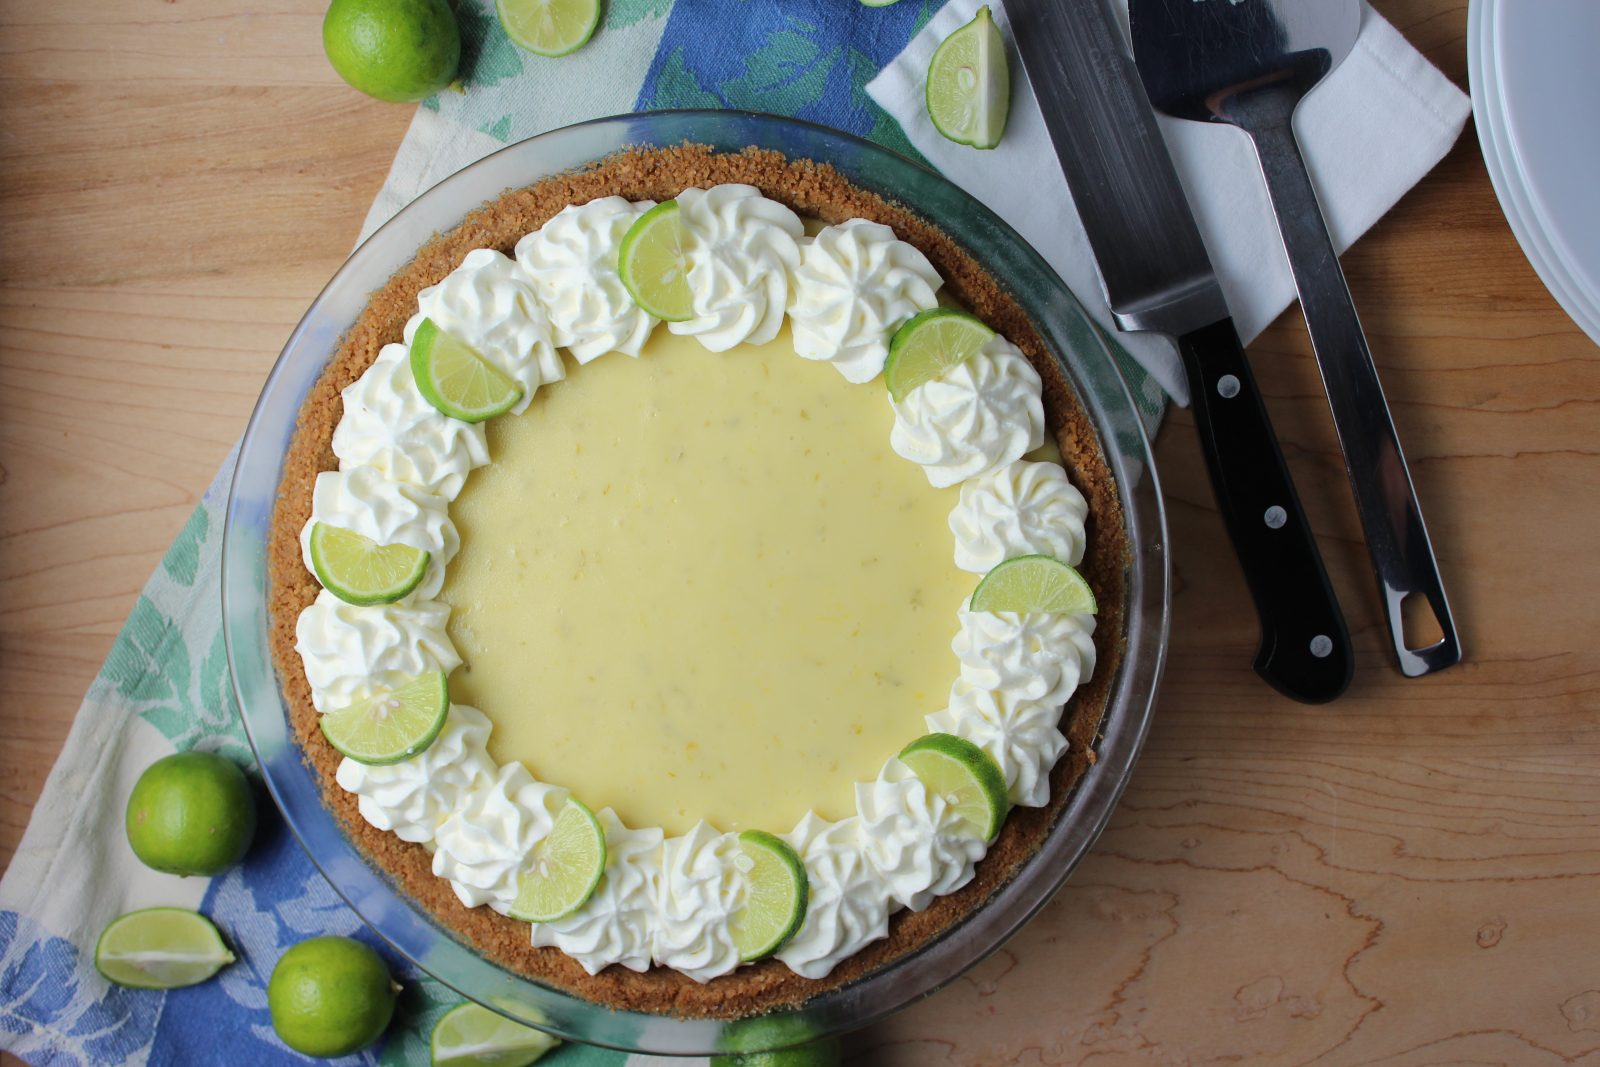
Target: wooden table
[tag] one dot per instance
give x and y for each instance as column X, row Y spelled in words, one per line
column 1407, row 876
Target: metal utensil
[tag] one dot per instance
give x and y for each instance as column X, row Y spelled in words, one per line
column 1157, row 277
column 1248, row 63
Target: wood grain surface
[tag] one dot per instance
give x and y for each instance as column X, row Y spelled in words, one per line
column 1408, row 876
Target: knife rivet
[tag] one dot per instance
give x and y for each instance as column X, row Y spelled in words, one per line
column 1275, row 517
column 1227, row 387
column 1321, row 646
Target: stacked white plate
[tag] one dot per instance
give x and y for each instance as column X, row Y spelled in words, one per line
column 1535, row 71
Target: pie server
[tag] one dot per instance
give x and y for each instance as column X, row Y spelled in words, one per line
column 1157, row 277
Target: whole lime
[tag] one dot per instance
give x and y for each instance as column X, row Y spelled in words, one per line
column 191, row 813
column 821, row 1054
column 330, row 996
column 400, row 50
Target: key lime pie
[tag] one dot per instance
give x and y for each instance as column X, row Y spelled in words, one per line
column 694, row 583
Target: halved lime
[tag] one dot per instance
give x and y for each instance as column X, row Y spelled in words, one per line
column 358, row 570
column 653, row 266
column 458, row 381
column 969, row 85
column 470, row 1035
column 775, row 895
column 966, row 776
column 160, row 948
column 1034, row 584
column 564, row 869
column 930, row 344
column 549, row 27
column 393, row 726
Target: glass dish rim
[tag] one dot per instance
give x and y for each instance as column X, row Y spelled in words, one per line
column 848, row 1006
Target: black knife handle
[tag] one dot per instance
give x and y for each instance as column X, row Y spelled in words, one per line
column 1305, row 645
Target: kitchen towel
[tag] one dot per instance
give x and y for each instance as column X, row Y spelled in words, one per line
column 165, row 687
column 1380, row 121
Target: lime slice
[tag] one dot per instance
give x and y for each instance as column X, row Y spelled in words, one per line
column 966, row 776
column 392, row 726
column 969, row 86
column 775, row 898
column 470, row 1035
column 930, row 344
column 549, row 27
column 457, row 380
column 358, row 570
column 1034, row 584
column 160, row 948
column 653, row 266
column 564, row 868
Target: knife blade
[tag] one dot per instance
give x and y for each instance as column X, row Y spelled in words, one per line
column 1157, row 277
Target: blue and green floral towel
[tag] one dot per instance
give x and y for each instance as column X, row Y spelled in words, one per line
column 165, row 685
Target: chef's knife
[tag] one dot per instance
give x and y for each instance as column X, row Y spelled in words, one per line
column 1158, row 277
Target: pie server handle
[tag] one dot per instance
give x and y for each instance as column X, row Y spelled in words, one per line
column 1305, row 646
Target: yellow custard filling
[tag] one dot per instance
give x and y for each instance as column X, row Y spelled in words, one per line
column 701, row 585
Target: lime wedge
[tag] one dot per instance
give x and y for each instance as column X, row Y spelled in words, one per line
column 775, row 895
column 160, row 948
column 966, row 776
column 969, row 86
column 564, row 868
column 1034, row 584
column 457, row 380
column 358, row 570
column 653, row 266
column 929, row 344
column 549, row 27
column 393, row 726
column 470, row 1035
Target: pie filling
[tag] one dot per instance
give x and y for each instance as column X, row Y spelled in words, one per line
column 695, row 590
column 701, row 586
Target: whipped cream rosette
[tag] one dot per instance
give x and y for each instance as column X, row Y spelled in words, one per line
column 670, row 901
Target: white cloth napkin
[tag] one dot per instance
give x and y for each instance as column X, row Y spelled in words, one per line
column 1379, row 122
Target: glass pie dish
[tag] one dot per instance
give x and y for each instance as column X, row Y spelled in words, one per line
column 410, row 928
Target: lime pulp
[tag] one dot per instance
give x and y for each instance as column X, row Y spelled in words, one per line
column 470, row 1035
column 550, row 28
column 358, row 570
column 393, row 726
column 929, row 345
column 968, row 92
column 160, row 948
column 775, row 898
column 564, row 869
column 653, row 265
column 966, row 776
column 1028, row 584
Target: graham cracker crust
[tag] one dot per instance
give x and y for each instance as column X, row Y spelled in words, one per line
column 809, row 188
